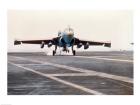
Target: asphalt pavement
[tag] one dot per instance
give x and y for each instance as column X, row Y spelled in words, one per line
column 87, row 73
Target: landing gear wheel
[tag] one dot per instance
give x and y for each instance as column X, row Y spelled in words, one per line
column 54, row 52
column 74, row 52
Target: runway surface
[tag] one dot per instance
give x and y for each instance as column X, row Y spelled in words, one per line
column 87, row 73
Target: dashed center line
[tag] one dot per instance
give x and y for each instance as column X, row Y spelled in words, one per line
column 91, row 91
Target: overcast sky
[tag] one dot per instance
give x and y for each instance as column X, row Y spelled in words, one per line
column 114, row 26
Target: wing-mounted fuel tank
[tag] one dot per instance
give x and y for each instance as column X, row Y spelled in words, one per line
column 86, row 46
column 79, row 45
column 50, row 44
column 42, row 44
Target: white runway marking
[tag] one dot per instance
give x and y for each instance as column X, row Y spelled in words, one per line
column 100, row 74
column 60, row 80
column 121, row 60
column 73, row 74
column 33, row 64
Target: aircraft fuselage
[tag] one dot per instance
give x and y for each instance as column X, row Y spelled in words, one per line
column 66, row 38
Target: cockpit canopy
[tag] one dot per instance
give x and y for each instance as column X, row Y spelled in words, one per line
column 69, row 30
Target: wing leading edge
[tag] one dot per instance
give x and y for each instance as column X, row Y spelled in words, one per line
column 84, row 42
column 53, row 41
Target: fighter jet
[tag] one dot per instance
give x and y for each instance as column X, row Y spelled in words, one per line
column 64, row 39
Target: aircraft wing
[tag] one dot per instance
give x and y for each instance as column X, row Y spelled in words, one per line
column 53, row 41
column 96, row 43
column 16, row 42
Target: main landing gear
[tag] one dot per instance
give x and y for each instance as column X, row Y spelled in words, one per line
column 54, row 51
column 73, row 51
